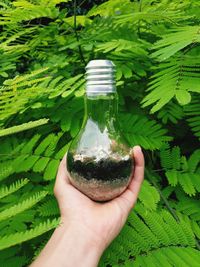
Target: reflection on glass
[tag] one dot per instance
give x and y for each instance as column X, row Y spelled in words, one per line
column 99, row 161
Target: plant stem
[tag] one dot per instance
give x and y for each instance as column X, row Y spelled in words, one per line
column 76, row 34
column 140, row 10
column 162, row 196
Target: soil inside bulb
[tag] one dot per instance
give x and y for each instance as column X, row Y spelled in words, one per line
column 104, row 169
column 100, row 180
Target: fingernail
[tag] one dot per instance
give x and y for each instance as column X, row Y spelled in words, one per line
column 138, row 148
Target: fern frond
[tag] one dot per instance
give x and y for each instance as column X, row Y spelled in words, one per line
column 152, row 16
column 43, row 51
column 60, row 154
column 29, row 146
column 40, row 164
column 38, row 155
column 149, row 196
column 22, row 79
column 51, row 169
column 80, row 20
column 21, row 206
column 120, row 45
column 196, row 228
column 176, row 78
column 27, row 11
column 16, row 93
column 44, row 144
column 6, row 169
column 127, row 13
column 23, row 127
column 189, row 207
column 192, row 111
column 65, row 87
column 16, row 261
column 15, row 41
column 5, row 190
column 180, row 170
column 8, row 62
column 108, row 8
column 148, row 231
column 170, row 256
column 172, row 112
column 13, row 239
column 140, row 130
column 177, row 39
column 49, row 208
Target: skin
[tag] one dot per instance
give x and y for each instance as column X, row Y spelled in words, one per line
column 87, row 227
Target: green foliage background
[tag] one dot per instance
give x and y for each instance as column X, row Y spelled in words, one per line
column 44, row 46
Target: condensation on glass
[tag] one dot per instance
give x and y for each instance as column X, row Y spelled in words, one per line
column 99, row 162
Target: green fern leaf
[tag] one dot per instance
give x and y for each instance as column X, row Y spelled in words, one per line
column 51, row 169
column 172, row 177
column 52, row 146
column 49, row 208
column 146, row 232
column 23, row 127
column 44, row 144
column 17, row 238
column 196, row 228
column 41, row 164
column 193, row 113
column 139, row 130
column 39, row 157
column 176, row 78
column 28, row 11
column 24, row 163
column 185, row 182
column 180, row 170
column 16, row 92
column 171, row 112
column 171, row 256
column 149, row 196
column 6, row 169
column 174, row 41
column 65, row 87
column 21, row 206
column 121, row 44
column 190, row 207
column 5, row 190
column 16, row 261
column 30, row 145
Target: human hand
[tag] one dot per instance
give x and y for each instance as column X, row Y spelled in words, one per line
column 99, row 223
column 87, row 227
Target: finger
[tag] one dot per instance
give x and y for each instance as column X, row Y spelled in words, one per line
column 127, row 199
column 62, row 177
column 138, row 174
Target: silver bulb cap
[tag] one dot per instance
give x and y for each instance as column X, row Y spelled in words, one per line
column 100, row 77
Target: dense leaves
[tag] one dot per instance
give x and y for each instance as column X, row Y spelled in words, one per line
column 44, row 47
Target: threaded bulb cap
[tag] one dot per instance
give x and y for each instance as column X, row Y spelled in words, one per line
column 100, row 77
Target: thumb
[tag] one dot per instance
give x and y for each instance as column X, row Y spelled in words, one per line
column 62, row 179
column 127, row 199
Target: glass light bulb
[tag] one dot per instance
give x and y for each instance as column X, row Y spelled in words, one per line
column 99, row 161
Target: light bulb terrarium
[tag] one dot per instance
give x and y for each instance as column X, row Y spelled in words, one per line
column 99, row 161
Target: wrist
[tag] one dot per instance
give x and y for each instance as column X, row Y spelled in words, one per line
column 69, row 246
column 80, row 243
column 82, row 235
